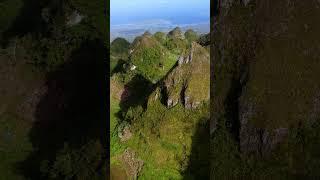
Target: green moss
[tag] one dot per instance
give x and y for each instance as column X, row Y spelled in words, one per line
column 165, row 155
column 176, row 45
column 153, row 62
column 155, row 143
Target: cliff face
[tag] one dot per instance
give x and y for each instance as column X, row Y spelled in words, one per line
column 266, row 60
column 188, row 83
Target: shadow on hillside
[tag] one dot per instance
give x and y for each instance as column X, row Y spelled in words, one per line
column 199, row 160
column 73, row 110
column 119, row 67
column 136, row 93
column 138, row 90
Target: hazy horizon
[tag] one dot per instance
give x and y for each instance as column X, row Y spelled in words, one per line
column 132, row 18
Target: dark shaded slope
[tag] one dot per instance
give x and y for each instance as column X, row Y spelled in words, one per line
column 199, row 163
column 72, row 111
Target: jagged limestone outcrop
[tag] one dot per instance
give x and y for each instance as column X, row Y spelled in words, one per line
column 176, row 42
column 176, row 33
column 188, row 83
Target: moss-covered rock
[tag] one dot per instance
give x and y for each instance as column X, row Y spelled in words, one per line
column 175, row 33
column 189, row 82
column 150, row 58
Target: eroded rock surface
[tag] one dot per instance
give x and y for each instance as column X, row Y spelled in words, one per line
column 132, row 164
column 188, row 83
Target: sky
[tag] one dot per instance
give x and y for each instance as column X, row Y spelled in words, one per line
column 176, row 11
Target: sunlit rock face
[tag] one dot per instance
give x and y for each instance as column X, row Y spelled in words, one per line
column 189, row 82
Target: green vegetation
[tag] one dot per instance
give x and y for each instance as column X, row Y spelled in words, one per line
column 119, row 50
column 152, row 60
column 161, row 37
column 119, row 46
column 153, row 64
column 191, row 35
column 138, row 103
column 177, row 46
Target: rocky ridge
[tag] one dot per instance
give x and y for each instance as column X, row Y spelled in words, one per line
column 188, row 82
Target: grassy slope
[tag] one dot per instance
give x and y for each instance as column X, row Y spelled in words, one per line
column 148, row 54
column 165, row 140
column 165, row 154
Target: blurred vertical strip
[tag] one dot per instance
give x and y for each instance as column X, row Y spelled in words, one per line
column 107, row 64
column 213, row 12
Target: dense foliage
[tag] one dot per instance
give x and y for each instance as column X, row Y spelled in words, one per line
column 151, row 58
column 160, row 36
column 119, row 50
column 119, row 46
column 191, row 35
